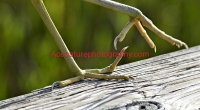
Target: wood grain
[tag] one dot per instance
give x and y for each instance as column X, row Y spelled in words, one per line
column 166, row 82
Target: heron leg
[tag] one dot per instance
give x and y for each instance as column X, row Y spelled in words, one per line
column 74, row 68
column 142, row 31
column 97, row 73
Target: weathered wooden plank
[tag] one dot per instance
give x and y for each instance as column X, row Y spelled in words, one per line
column 170, row 82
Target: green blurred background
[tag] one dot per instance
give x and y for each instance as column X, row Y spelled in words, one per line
column 26, row 44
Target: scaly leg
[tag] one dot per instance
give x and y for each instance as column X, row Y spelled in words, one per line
column 98, row 73
column 144, row 34
column 81, row 74
column 136, row 14
column 142, row 31
column 123, row 33
column 109, row 68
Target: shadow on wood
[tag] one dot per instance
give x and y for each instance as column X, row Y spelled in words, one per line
column 166, row 82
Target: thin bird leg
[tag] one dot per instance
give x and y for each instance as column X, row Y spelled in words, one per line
column 123, row 33
column 109, row 68
column 68, row 81
column 144, row 34
column 39, row 5
column 142, row 31
column 149, row 24
column 105, row 76
column 97, row 73
column 74, row 68
column 135, row 13
column 128, row 10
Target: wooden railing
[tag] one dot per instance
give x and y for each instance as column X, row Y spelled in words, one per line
column 166, row 82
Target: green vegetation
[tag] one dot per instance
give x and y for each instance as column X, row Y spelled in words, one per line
column 26, row 45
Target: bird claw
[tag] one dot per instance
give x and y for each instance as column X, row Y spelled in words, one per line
column 179, row 43
column 115, row 42
column 122, row 51
column 123, row 33
column 185, row 45
column 55, row 84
